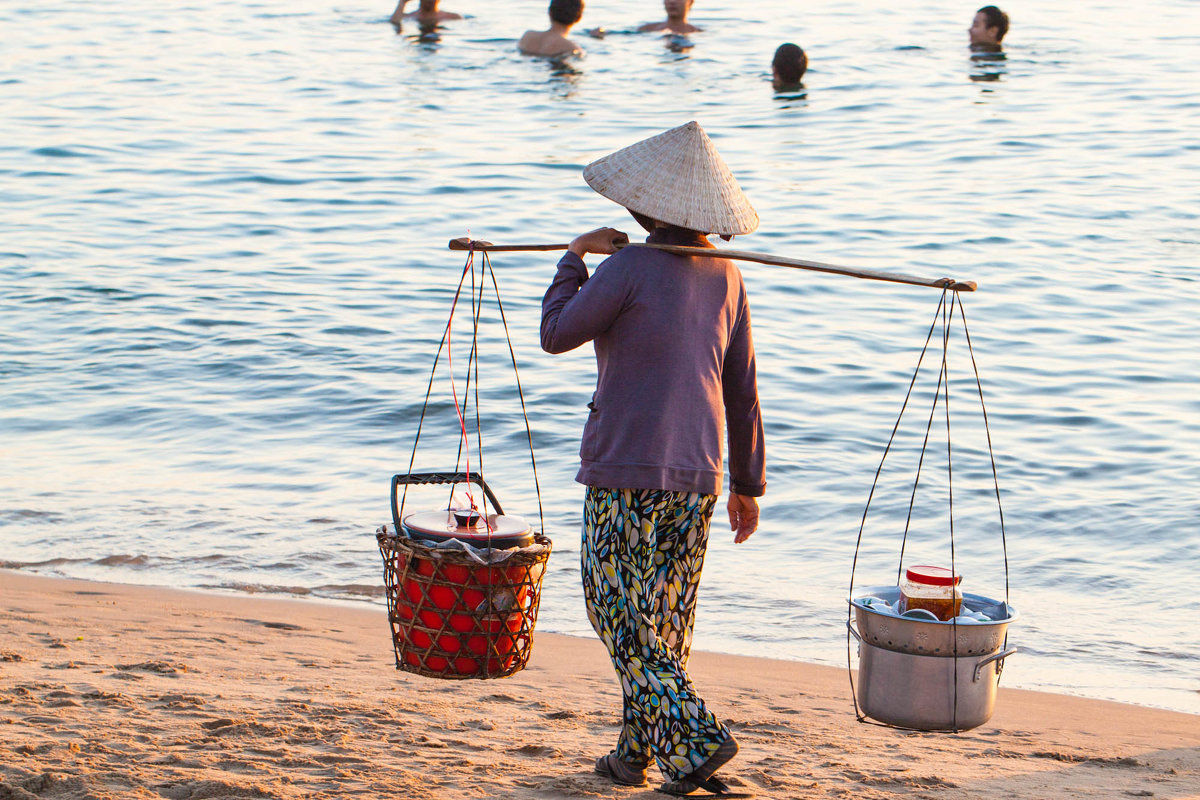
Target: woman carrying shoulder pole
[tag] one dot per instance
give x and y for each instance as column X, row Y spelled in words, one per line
column 675, row 361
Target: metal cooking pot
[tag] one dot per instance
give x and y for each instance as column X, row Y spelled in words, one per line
column 927, row 693
column 929, row 637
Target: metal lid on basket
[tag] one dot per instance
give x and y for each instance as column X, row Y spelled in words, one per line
column 439, row 526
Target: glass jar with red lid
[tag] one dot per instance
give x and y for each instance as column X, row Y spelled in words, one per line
column 934, row 589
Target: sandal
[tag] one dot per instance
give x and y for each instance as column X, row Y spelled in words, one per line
column 703, row 778
column 619, row 772
column 687, row 785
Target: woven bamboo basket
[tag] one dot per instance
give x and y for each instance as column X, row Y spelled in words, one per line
column 454, row 618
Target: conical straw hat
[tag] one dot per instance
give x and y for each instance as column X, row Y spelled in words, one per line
column 677, row 177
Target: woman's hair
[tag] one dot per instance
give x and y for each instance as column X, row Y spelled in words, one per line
column 789, row 63
column 651, row 224
column 566, row 12
column 646, row 222
column 995, row 19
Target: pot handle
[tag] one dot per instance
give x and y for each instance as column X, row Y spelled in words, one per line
column 422, row 478
column 994, row 657
column 850, row 627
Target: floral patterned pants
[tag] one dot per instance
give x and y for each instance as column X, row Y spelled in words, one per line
column 642, row 555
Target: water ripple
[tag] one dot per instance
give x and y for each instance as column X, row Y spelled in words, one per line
column 220, row 307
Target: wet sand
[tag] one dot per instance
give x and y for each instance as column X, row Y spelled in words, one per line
column 115, row 691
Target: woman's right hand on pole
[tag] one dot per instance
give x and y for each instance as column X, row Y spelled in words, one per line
column 601, row 240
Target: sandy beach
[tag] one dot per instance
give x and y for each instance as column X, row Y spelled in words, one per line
column 115, row 691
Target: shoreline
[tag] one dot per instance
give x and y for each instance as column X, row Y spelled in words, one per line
column 115, row 690
column 379, row 604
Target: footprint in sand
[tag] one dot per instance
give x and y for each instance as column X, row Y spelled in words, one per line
column 280, row 626
column 502, row 698
column 425, row 741
column 217, row 724
column 196, row 789
column 108, row 698
column 916, row 781
column 536, row 750
column 180, row 701
column 764, row 779
column 480, row 724
column 160, row 667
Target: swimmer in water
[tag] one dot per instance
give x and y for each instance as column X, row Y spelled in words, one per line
column 554, row 41
column 788, row 67
column 426, row 13
column 676, row 22
column 987, row 29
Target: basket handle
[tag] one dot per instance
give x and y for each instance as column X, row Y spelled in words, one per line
column 423, row 478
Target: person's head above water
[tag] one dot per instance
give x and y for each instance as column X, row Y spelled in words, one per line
column 427, row 11
column 566, row 12
column 554, row 41
column 675, row 178
column 988, row 28
column 677, row 9
column 676, row 22
column 788, row 66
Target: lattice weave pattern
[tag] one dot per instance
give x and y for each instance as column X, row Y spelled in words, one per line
column 452, row 617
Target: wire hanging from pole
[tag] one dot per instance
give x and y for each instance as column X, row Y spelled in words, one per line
column 464, row 442
column 477, row 291
column 991, row 453
column 429, row 387
column 886, row 450
column 891, row 438
column 945, row 314
column 925, row 443
column 487, row 262
column 945, row 379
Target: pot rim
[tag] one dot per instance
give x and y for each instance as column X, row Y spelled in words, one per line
column 970, row 600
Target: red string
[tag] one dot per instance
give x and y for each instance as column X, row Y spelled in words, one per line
column 462, row 422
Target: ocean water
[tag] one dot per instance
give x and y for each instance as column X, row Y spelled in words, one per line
column 224, row 274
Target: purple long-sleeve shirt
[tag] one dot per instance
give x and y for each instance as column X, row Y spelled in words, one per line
column 673, row 351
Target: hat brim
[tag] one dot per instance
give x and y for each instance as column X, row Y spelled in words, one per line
column 676, row 177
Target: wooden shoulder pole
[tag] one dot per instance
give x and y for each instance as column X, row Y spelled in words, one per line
column 742, row 255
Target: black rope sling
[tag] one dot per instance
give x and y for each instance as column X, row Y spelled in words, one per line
column 476, row 293
column 459, row 613
column 945, row 314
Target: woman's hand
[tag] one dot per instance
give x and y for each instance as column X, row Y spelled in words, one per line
column 601, row 240
column 743, row 516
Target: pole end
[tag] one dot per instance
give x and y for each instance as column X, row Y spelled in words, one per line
column 955, row 286
column 464, row 243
